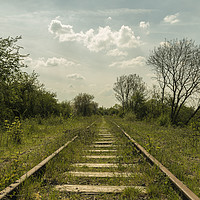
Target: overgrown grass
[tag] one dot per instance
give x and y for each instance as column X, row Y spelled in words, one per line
column 176, row 148
column 143, row 174
column 42, row 187
column 23, row 144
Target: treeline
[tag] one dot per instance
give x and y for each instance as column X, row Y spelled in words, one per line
column 175, row 100
column 176, row 65
column 23, row 96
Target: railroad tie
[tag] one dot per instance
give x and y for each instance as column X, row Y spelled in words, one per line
column 92, row 189
column 100, row 163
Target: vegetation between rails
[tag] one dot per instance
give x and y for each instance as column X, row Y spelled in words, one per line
column 55, row 173
column 176, row 148
column 37, row 141
column 33, row 123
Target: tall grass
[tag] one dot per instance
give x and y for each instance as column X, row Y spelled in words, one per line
column 23, row 144
column 175, row 147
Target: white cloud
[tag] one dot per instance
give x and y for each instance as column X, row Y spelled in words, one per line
column 144, row 25
column 108, row 20
column 116, row 52
column 102, row 39
column 172, row 19
column 49, row 62
column 135, row 62
column 75, row 77
column 58, row 61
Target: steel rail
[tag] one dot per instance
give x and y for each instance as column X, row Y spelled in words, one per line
column 4, row 193
column 8, row 190
column 186, row 192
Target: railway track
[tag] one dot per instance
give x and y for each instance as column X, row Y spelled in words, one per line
column 113, row 167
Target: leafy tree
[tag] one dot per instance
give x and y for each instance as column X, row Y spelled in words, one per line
column 10, row 65
column 176, row 64
column 126, row 87
column 84, row 104
column 120, row 90
column 21, row 94
column 137, row 104
column 10, row 58
column 65, row 109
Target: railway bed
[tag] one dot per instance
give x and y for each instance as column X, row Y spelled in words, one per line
column 112, row 166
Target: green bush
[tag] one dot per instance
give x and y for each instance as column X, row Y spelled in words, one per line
column 164, row 120
column 14, row 131
column 130, row 116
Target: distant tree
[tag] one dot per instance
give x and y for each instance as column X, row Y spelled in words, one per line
column 10, row 58
column 137, row 104
column 65, row 108
column 126, row 87
column 120, row 90
column 154, row 103
column 176, row 64
column 84, row 104
column 21, row 94
column 10, row 65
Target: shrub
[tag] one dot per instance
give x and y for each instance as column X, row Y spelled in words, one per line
column 130, row 116
column 163, row 120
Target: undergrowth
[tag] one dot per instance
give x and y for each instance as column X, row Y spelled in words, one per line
column 25, row 143
column 177, row 148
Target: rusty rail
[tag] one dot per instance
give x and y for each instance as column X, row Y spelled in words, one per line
column 8, row 190
column 186, row 192
column 4, row 193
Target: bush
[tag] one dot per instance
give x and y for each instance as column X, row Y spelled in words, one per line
column 14, row 131
column 164, row 120
column 130, row 117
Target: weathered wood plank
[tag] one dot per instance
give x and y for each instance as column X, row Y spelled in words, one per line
column 96, row 189
column 100, row 165
column 99, row 174
column 100, row 157
column 101, row 150
column 106, row 138
column 104, row 142
column 103, row 146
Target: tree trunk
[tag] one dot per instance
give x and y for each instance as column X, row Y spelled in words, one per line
column 193, row 114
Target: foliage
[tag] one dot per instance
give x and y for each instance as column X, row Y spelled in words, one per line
column 130, row 116
column 176, row 65
column 177, row 148
column 65, row 109
column 163, row 120
column 126, row 87
column 10, row 58
column 14, row 131
column 138, row 105
column 37, row 141
column 84, row 104
column 21, row 94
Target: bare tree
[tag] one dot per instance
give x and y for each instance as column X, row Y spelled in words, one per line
column 176, row 64
column 126, row 86
column 119, row 89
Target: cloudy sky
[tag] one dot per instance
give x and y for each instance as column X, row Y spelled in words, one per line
column 84, row 45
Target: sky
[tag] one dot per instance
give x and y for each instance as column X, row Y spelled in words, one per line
column 82, row 46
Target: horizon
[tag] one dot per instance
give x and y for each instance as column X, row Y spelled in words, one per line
column 78, row 47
